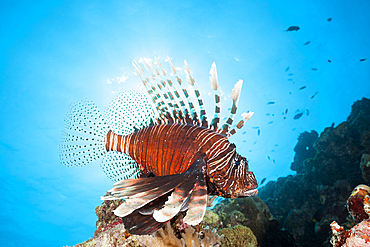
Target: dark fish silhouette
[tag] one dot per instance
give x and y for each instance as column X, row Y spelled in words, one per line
column 298, row 116
column 268, row 157
column 308, row 112
column 271, row 103
column 254, row 142
column 363, row 59
column 314, row 69
column 273, row 161
column 270, row 122
column 314, row 95
column 292, row 28
column 286, row 111
column 245, row 132
column 290, row 74
column 307, row 43
column 267, row 114
column 329, row 19
column 255, row 127
column 287, row 68
column 329, row 60
column 301, row 88
column 262, row 181
column 290, row 79
column 258, row 132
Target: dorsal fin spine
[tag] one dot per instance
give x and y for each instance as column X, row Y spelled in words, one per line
column 214, row 85
column 150, row 89
column 171, row 101
column 246, row 116
column 234, row 96
column 191, row 81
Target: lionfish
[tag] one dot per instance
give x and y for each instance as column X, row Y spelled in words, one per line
column 164, row 155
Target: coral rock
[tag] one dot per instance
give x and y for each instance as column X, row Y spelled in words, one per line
column 238, row 236
column 365, row 167
column 356, row 202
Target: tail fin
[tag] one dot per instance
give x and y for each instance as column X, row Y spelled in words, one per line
column 83, row 137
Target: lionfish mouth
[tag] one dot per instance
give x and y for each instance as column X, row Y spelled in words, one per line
column 247, row 193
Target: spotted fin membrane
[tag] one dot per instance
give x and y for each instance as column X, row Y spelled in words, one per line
column 85, row 130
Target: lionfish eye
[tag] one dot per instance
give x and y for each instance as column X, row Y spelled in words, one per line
column 237, row 162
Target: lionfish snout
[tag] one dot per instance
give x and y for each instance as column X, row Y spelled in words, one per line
column 246, row 186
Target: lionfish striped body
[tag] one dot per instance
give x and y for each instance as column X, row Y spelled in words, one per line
column 165, row 161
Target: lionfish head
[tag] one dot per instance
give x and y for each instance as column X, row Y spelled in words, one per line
column 236, row 180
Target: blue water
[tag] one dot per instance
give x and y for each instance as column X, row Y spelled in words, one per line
column 53, row 53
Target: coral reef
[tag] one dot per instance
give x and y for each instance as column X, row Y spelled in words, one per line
column 111, row 232
column 307, row 202
column 106, row 217
column 304, row 149
column 238, row 236
column 358, row 205
column 250, row 211
column 365, row 167
column 190, row 238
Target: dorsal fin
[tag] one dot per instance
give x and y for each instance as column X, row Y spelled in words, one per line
column 234, row 96
column 191, row 81
column 246, row 116
column 214, row 85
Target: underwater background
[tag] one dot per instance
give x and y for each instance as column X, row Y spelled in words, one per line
column 54, row 53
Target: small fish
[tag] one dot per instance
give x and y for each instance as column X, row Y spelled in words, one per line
column 284, row 118
column 314, row 69
column 329, row 60
column 273, row 115
column 245, row 132
column 296, row 111
column 183, row 170
column 308, row 112
column 290, row 74
column 286, row 111
column 292, row 28
column 244, row 141
column 298, row 116
column 329, row 19
column 258, row 132
column 363, row 59
column 301, row 88
column 272, row 150
column 255, row 127
column 270, row 122
column 254, row 142
column 332, row 125
column 267, row 114
column 287, row 68
column 307, row 43
column 262, row 181
column 290, row 79
column 290, row 92
column 314, row 95
column 268, row 157
column 271, row 103
column 276, row 145
column 273, row 161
